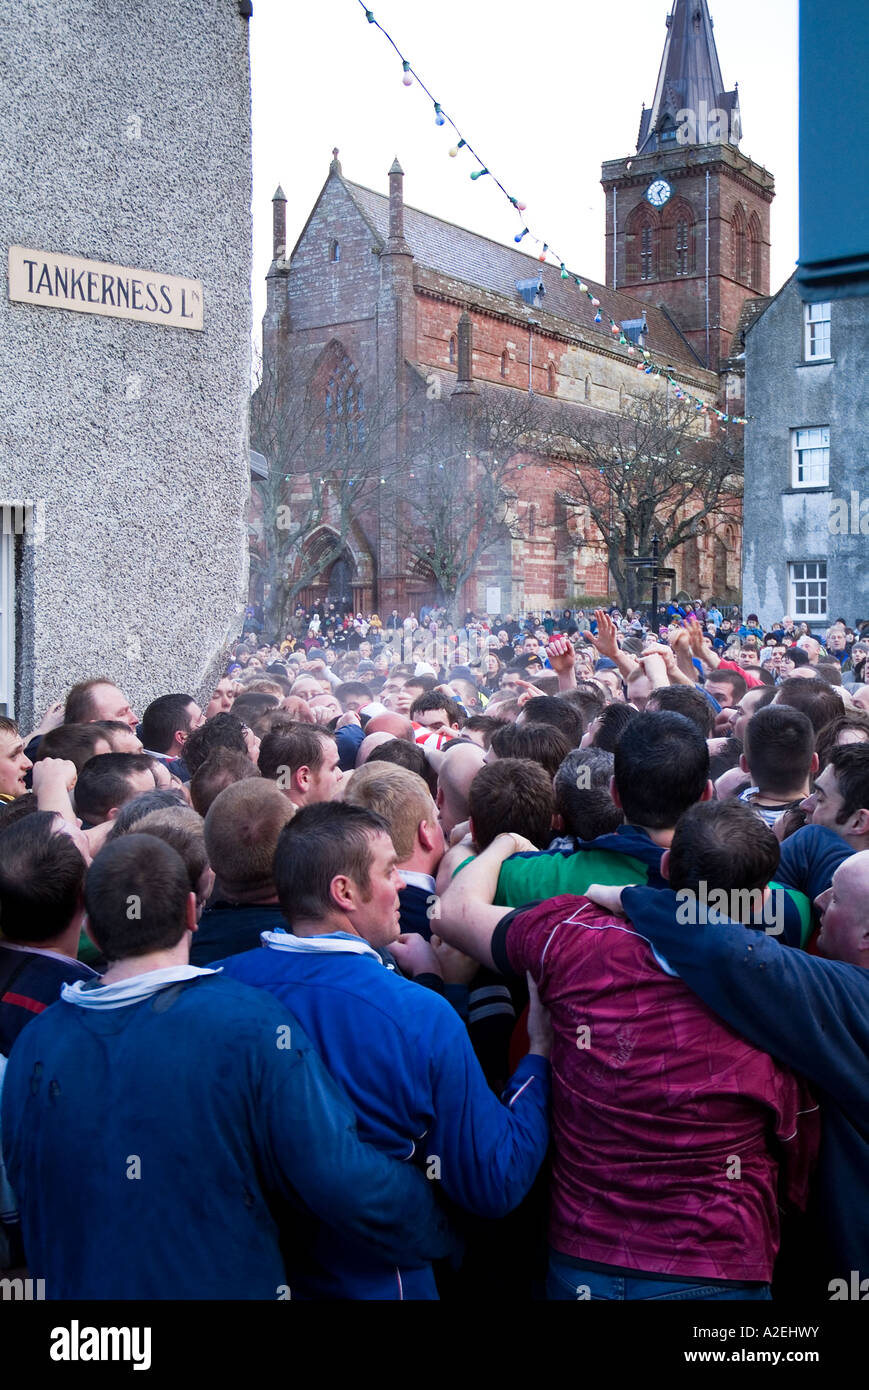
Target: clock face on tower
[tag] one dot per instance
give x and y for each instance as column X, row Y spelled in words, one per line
column 658, row 193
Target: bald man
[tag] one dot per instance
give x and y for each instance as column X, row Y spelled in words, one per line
column 459, row 766
column 369, row 743
column 395, row 724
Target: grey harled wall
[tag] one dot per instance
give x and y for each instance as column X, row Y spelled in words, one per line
column 785, row 524
column 125, row 137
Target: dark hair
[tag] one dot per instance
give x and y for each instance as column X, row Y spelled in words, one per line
column 738, row 683
column 80, row 705
column 826, row 740
column 75, row 742
column 584, row 801
column 589, row 700
column 223, row 730
column 830, row 671
column 779, row 744
column 684, row 699
column 661, row 768
column 104, row 782
column 293, row 746
column 726, row 759
column 136, row 894
column 160, row 799
column 436, row 699
column 350, row 688
column 540, row 742
column 408, row 755
column 425, row 682
column 724, row 845
column 319, row 843
column 612, row 722
column 511, row 794
column 220, row 769
column 181, row 827
column 13, row 811
column 41, row 878
column 163, row 718
column 551, row 709
column 485, row 724
column 814, row 697
column 851, row 766
column 251, row 704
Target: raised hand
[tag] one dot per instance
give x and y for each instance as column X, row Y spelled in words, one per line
column 605, row 641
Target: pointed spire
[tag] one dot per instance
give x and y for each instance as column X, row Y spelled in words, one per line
column 396, row 242
column 335, row 166
column 690, row 100
column 279, row 225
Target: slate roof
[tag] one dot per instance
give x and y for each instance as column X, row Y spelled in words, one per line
column 690, row 73
column 452, row 260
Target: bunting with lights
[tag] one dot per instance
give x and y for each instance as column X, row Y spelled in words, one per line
column 648, row 364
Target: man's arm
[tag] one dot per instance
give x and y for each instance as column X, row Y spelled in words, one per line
column 468, row 917
column 811, row 1013
column 607, row 644
column 313, row 1151
column 53, row 779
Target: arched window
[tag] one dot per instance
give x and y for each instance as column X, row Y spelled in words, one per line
column 550, row 379
column 755, row 244
column 642, row 245
column 532, row 519
column 453, row 349
column 588, row 388
column 739, row 236
column 343, row 406
column 335, row 251
column 504, row 364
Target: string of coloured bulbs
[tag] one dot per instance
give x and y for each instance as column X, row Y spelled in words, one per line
column 442, row 117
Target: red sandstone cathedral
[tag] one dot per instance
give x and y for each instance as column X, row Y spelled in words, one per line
column 394, row 318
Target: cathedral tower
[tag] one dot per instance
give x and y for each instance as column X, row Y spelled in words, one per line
column 688, row 214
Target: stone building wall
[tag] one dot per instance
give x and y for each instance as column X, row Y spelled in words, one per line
column 125, row 138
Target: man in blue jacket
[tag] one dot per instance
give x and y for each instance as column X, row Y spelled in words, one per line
column 400, row 1051
column 170, row 1133
column 810, row 1013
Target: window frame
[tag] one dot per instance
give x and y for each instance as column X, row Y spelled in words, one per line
column 809, row 323
column 800, row 613
column 797, row 452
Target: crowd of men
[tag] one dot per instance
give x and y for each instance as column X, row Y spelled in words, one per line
column 532, row 958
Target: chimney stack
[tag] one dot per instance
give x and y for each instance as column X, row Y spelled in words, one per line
column 396, row 209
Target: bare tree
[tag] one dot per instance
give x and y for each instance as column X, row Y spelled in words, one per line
column 644, row 472
column 459, row 495
column 325, row 456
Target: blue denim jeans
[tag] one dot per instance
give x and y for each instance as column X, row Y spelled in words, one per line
column 574, row 1282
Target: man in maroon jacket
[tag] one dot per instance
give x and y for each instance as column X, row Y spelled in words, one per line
column 674, row 1139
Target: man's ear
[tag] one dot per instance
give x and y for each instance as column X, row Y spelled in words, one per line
column 425, row 834
column 814, row 765
column 743, row 763
column 439, row 799
column 708, row 793
column 558, row 822
column 614, row 793
column 181, row 736
column 861, row 822
column 191, row 916
column 664, row 866
column 342, row 891
column 301, row 778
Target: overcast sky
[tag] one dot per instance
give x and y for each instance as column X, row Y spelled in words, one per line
column 544, row 93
